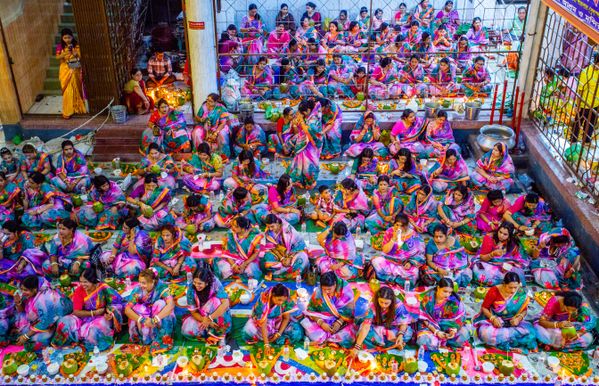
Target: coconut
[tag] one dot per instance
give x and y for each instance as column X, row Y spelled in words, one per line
column 197, row 362
column 453, row 368
column 98, row 207
column 330, row 367
column 77, row 201
column 155, row 169
column 147, row 211
column 64, row 280
column 191, row 229
column 360, row 96
column 506, row 367
column 70, row 366
column 480, row 292
column 9, row 367
column 124, row 368
column 446, row 103
column 411, row 366
column 283, row 87
column 568, row 332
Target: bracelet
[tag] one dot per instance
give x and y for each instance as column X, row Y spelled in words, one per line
column 554, row 324
column 277, row 334
column 26, row 336
column 358, row 346
column 54, row 263
column 319, row 322
column 92, row 312
column 141, row 320
column 156, row 319
column 210, row 317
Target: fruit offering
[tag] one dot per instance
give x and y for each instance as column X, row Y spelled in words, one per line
column 200, row 358
column 264, row 358
column 73, row 363
column 329, row 360
column 449, row 363
column 389, row 363
column 576, row 363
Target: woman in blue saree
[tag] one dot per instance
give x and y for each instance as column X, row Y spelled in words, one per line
column 69, row 250
column 18, row 255
column 131, row 251
column 9, row 197
column 386, row 205
column 214, row 127
column 152, row 201
column 172, row 260
column 108, row 214
column 445, row 257
column 403, row 172
column 285, row 253
column 44, row 205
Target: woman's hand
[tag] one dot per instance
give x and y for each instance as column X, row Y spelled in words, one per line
column 148, row 323
column 22, row 339
column 516, row 320
column 205, row 322
column 399, row 343
column 564, row 324
column 451, row 333
column 497, row 322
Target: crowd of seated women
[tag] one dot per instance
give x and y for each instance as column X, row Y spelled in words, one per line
column 418, row 51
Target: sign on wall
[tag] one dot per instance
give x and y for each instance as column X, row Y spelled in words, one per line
column 584, row 14
column 197, row 25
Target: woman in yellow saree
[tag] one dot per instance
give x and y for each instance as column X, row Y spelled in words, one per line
column 70, row 75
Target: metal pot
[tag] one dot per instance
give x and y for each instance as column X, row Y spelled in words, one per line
column 471, row 110
column 492, row 134
column 431, row 109
column 246, row 110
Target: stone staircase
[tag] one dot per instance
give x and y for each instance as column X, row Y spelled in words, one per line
column 52, row 83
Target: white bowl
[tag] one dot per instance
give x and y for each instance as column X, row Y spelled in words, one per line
column 300, row 354
column 182, row 361
column 98, row 171
column 101, row 368
column 302, row 293
column 488, row 367
column 23, row 370
column 422, row 366
column 237, row 355
column 529, row 232
column 53, row 368
column 117, row 172
column 245, row 298
column 552, row 361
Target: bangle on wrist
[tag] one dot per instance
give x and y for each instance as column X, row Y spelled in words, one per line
column 92, row 312
column 358, row 346
column 156, row 319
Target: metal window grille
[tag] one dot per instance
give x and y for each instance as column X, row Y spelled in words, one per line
column 562, row 106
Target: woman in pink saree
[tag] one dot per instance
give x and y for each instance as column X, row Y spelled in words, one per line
column 214, row 126
column 408, row 132
column 366, row 133
column 477, row 35
column 448, row 17
column 204, row 172
column 498, row 255
column 131, row 251
column 450, row 172
column 412, row 78
column 351, row 204
column 282, row 200
column 445, row 257
column 285, row 254
column 443, row 79
column 245, row 173
column 329, row 317
column 339, row 255
column 456, row 210
column 277, row 40
column 386, row 205
column 491, row 211
column 241, row 252
column 259, row 83
column 252, row 30
column 495, row 170
column 383, row 81
column 424, row 13
column 305, row 167
column 403, row 250
column 152, row 202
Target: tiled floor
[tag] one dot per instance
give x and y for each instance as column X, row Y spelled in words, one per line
column 51, row 104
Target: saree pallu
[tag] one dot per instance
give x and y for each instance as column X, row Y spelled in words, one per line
column 409, row 182
column 493, row 213
column 339, row 306
column 507, row 336
column 237, row 251
column 449, row 176
column 447, row 315
column 411, row 137
column 159, row 337
column 368, row 141
column 584, row 322
column 34, row 259
column 551, row 271
column 380, row 335
column 206, row 132
column 288, row 201
column 169, row 256
column 192, row 329
column 453, row 260
column 92, row 331
column 8, row 200
column 391, row 88
column 412, row 81
column 388, row 205
column 359, row 206
column 127, row 263
column 78, row 248
column 458, row 212
column 44, row 195
column 255, row 136
column 390, row 267
column 109, row 217
column 263, row 312
column 305, row 167
column 289, row 243
column 337, row 251
column 40, row 313
column 198, row 184
column 331, row 141
column 424, row 215
column 71, row 85
column 524, row 216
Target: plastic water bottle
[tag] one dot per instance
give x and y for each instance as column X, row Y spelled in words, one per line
column 421, row 351
column 358, row 232
column 286, row 352
column 212, row 196
column 304, row 227
column 96, row 351
column 298, row 281
column 189, row 278
column 306, row 344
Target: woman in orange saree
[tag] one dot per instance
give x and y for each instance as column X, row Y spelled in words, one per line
column 70, row 75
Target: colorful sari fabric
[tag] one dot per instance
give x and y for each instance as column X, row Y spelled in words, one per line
column 166, row 165
column 75, row 169
column 411, row 137
column 551, row 269
column 172, row 138
column 503, row 169
column 473, row 80
column 254, row 137
column 460, row 211
column 215, row 128
column 71, row 82
column 402, row 263
column 331, row 126
column 41, row 162
column 453, row 259
column 276, row 42
column 494, row 215
column 45, row 195
column 158, row 199
column 424, row 15
column 131, row 257
column 192, row 329
column 288, row 201
column 443, row 83
column 507, row 336
column 357, row 204
column 13, row 169
column 410, row 39
column 248, row 179
column 6, row 316
column 339, row 251
column 316, row 82
column 409, row 181
column 201, row 216
column 387, row 205
column 340, row 306
column 40, row 313
column 524, row 216
column 450, row 19
column 380, row 335
column 78, row 249
column 9, row 195
column 478, row 38
column 491, row 272
column 337, row 87
column 236, row 250
column 424, row 215
column 285, row 254
column 272, row 315
column 449, row 176
column 283, row 140
column 170, row 255
column 366, row 173
column 389, row 78
column 231, row 208
column 259, row 84
column 18, row 251
column 355, row 42
column 305, row 167
column 198, row 184
column 253, row 42
column 148, row 305
column 442, row 41
column 412, row 80
column 108, row 217
column 583, row 321
column 449, row 314
column 92, row 331
column 462, row 55
column 369, row 140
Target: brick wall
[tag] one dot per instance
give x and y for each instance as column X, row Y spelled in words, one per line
column 30, row 40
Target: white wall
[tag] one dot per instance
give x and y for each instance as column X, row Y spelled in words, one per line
column 233, row 10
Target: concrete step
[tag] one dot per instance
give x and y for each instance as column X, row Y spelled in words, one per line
column 68, row 8
column 67, row 18
column 70, row 25
column 51, row 84
column 52, row 72
column 51, row 92
column 54, row 62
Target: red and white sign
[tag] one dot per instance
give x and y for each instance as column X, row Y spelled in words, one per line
column 198, row 25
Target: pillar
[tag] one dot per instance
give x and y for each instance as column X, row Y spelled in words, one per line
column 201, row 38
column 531, row 49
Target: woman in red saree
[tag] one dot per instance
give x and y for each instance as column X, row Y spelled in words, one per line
column 135, row 94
